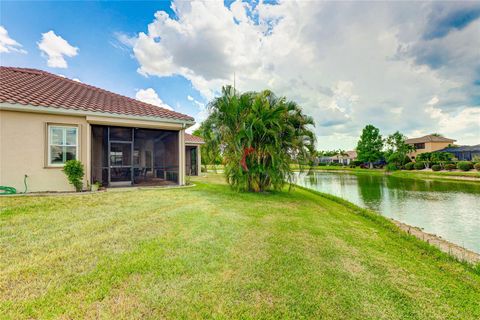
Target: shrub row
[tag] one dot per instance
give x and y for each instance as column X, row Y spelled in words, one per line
column 450, row 166
column 419, row 165
column 464, row 165
column 461, row 165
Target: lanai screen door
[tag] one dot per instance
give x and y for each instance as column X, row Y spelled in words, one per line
column 120, row 156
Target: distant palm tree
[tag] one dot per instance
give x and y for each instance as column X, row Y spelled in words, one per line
column 261, row 135
column 437, row 134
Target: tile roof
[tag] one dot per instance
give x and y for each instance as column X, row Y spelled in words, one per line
column 429, row 138
column 193, row 139
column 40, row 88
column 352, row 154
column 475, row 148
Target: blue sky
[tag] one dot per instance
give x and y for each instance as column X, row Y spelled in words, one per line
column 92, row 27
column 413, row 67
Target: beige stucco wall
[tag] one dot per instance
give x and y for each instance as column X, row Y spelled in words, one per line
column 23, row 150
column 430, row 147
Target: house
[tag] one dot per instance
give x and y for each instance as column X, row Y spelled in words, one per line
column 428, row 143
column 46, row 119
column 463, row 153
column 343, row 158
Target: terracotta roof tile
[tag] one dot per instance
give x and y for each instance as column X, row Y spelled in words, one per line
column 40, row 88
column 429, row 138
column 193, row 139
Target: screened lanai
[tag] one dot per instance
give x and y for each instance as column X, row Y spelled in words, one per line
column 123, row 156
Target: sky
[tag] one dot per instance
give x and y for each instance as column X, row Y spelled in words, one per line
column 407, row 66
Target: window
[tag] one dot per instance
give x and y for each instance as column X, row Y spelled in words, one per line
column 419, row 146
column 62, row 144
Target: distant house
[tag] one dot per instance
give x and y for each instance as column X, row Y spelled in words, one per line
column 428, row 143
column 466, row 153
column 344, row 159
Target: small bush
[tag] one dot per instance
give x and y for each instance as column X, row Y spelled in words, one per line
column 419, row 165
column 357, row 162
column 353, row 166
column 477, row 166
column 409, row 166
column 436, row 167
column 391, row 167
column 322, row 164
column 450, row 166
column 464, row 165
column 74, row 171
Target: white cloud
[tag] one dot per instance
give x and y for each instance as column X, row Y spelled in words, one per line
column 150, row 96
column 7, row 44
column 200, row 116
column 464, row 124
column 345, row 65
column 55, row 48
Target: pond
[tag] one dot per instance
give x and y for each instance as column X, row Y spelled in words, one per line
column 448, row 209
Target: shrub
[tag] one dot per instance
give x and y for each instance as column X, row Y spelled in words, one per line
column 391, row 167
column 409, row 166
column 353, row 166
column 450, row 166
column 419, row 165
column 73, row 169
column 436, row 167
column 464, row 165
column 322, row 164
column 357, row 162
column 477, row 166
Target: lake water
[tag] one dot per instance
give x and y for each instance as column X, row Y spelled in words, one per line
column 448, row 209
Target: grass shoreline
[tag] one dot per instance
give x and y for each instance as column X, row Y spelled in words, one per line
column 472, row 262
column 411, row 174
column 469, row 176
column 208, row 252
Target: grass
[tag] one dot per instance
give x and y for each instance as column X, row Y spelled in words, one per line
column 471, row 175
column 207, row 252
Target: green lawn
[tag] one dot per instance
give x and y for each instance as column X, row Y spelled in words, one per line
column 207, row 252
column 471, row 175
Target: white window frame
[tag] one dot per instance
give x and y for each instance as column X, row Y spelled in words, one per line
column 64, row 127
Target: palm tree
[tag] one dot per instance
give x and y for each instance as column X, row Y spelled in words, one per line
column 261, row 135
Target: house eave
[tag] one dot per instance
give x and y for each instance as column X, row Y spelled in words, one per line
column 63, row 111
column 192, row 144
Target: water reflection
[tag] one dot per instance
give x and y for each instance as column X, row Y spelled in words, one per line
column 448, row 209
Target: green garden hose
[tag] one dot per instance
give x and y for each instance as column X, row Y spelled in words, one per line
column 7, row 190
column 11, row 190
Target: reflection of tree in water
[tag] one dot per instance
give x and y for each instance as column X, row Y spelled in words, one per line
column 312, row 179
column 404, row 184
column 371, row 190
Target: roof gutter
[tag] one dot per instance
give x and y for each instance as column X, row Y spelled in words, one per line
column 63, row 111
